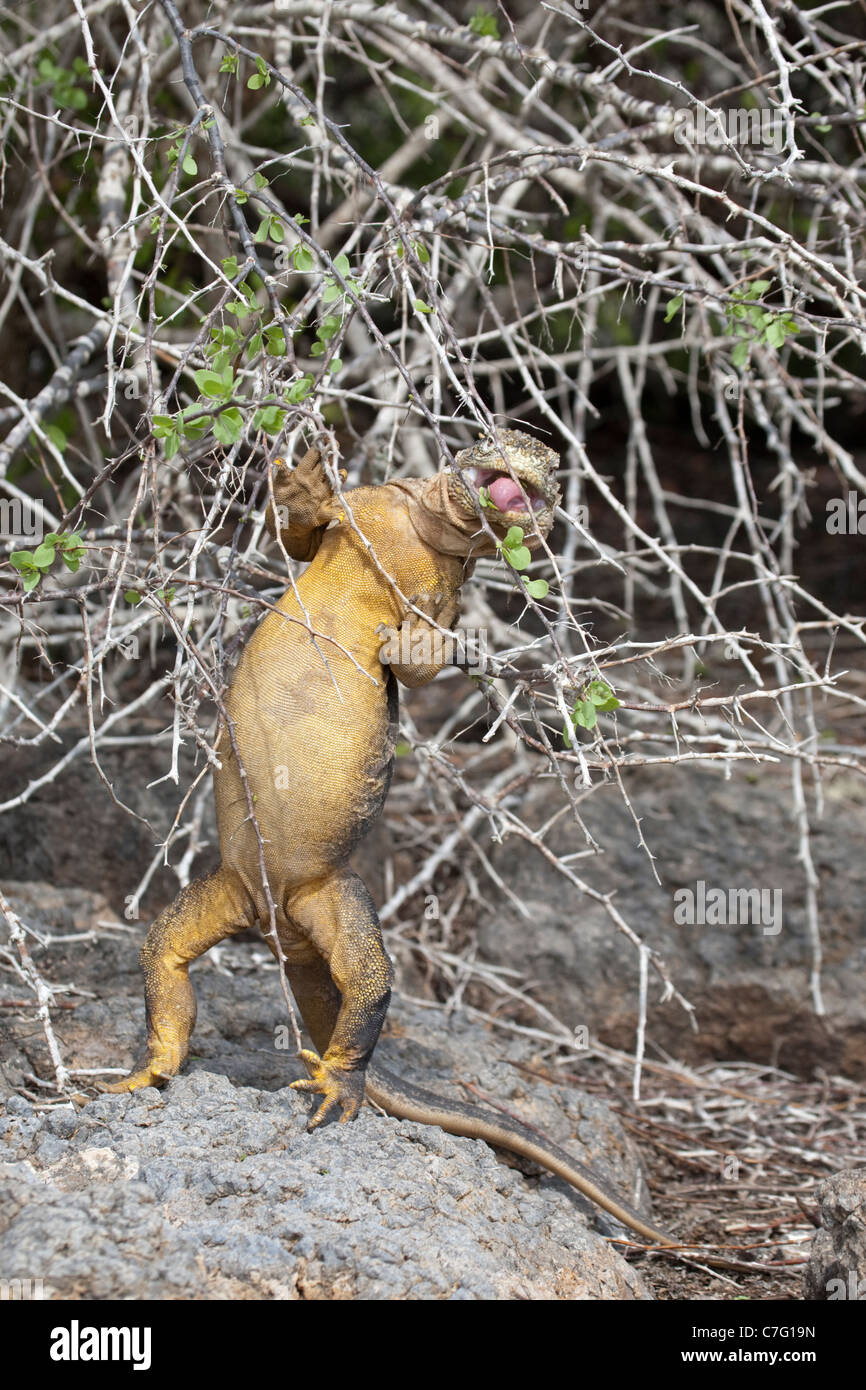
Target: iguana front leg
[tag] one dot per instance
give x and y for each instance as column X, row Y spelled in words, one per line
column 420, row 649
column 305, row 505
column 339, row 920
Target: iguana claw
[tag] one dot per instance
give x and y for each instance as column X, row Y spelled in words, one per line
column 341, row 1088
column 151, row 1074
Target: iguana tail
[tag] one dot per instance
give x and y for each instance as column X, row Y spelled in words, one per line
column 407, row 1102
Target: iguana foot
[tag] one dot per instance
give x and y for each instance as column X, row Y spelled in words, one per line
column 341, row 1088
column 155, row 1072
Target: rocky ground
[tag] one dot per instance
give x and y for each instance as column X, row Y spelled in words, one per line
column 213, row 1189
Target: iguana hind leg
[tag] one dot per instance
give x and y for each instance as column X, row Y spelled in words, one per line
column 205, row 912
column 344, row 1012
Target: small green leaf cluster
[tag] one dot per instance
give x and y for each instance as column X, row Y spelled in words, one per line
column 752, row 323
column 64, row 82
column 33, row 564
column 518, row 556
column 261, row 77
column 188, row 164
column 484, row 24
column 597, row 698
column 748, row 323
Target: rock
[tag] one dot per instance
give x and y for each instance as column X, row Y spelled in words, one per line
column 837, row 1264
column 750, row 987
column 212, row 1188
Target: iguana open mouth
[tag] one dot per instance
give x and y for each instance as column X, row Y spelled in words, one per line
column 505, row 493
column 510, row 477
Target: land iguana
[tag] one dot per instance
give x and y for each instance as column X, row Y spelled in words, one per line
column 308, row 742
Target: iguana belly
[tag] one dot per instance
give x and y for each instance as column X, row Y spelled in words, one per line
column 315, row 734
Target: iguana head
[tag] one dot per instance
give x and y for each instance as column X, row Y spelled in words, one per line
column 509, row 479
column 512, row 477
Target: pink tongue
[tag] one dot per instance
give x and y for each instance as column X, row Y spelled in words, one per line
column 507, row 495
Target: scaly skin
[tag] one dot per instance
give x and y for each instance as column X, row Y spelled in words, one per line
column 314, row 720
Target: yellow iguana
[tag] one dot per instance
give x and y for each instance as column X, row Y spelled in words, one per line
column 309, row 745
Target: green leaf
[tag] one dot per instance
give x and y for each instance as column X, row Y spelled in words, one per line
column 30, row 579
column 601, row 695
column 261, row 77
column 484, row 24
column 422, row 307
column 335, row 364
column 260, row 181
column 261, row 233
column 277, row 233
column 518, row 558
column 269, row 418
column 229, row 426
column 330, row 293
column 22, row 559
column 302, row 259
column 189, row 166
column 276, row 340
column 192, row 428
column 43, row 556
column 537, row 588
column 584, row 714
column 73, row 551
column 514, row 536
column 739, row 354
column 132, row 596
column 757, row 288
column 673, row 307
column 230, row 266
column 341, row 264
column 299, row 390
column 213, row 384
column 229, row 64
